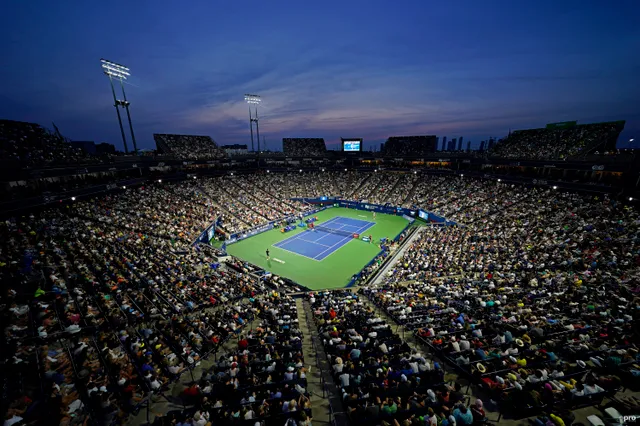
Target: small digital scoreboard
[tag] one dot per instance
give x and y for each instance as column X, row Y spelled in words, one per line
column 352, row 144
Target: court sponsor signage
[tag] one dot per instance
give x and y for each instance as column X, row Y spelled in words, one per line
column 597, row 168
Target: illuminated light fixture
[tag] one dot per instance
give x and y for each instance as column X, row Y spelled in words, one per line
column 345, row 170
column 194, row 177
column 73, row 198
column 268, row 171
column 124, row 187
column 323, row 170
column 376, row 170
column 231, row 174
column 461, row 175
column 253, row 100
column 121, row 73
column 415, row 172
column 555, row 187
column 159, row 180
column 115, row 70
column 631, row 198
column 499, row 180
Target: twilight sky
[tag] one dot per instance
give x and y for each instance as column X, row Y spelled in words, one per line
column 325, row 68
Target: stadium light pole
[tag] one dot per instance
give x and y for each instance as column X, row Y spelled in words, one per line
column 253, row 100
column 110, row 71
column 121, row 73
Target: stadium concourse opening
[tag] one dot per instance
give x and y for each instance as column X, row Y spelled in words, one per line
column 322, row 241
column 304, row 256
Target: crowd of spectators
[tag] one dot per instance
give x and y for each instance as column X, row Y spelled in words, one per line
column 462, row 199
column 382, row 379
column 264, row 379
column 188, row 147
column 529, row 230
column 410, row 146
column 558, row 144
column 31, row 146
column 251, row 200
column 548, row 345
column 265, row 189
column 304, row 147
column 109, row 301
column 369, row 187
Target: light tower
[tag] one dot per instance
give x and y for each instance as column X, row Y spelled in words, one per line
column 120, row 72
column 253, row 100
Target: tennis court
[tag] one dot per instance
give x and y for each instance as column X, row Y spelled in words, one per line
column 320, row 243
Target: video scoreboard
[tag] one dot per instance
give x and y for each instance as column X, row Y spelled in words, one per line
column 352, row 144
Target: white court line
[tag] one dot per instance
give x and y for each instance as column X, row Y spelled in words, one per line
column 313, row 242
column 297, row 254
column 298, row 237
column 360, row 229
column 341, row 242
column 326, row 235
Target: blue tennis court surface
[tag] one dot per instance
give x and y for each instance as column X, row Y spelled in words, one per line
column 319, row 244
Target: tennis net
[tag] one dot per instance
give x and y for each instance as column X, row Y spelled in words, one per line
column 333, row 231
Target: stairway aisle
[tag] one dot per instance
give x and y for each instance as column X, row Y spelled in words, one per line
column 319, row 405
column 321, row 371
column 397, row 255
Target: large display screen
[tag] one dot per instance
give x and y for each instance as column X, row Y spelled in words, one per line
column 423, row 215
column 351, row 146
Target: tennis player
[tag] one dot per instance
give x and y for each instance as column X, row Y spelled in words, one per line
column 268, row 258
column 374, row 215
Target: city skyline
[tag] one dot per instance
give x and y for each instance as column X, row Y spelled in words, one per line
column 330, row 70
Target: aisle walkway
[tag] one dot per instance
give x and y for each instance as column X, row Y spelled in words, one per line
column 395, row 256
column 319, row 404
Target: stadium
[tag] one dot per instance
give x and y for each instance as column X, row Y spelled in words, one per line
column 473, row 270
column 349, row 259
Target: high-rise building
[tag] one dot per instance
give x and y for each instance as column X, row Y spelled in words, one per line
column 382, row 147
column 482, row 146
column 491, row 142
column 468, row 146
column 444, row 143
column 460, row 144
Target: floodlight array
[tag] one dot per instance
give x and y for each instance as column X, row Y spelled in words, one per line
column 115, row 70
column 252, row 99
